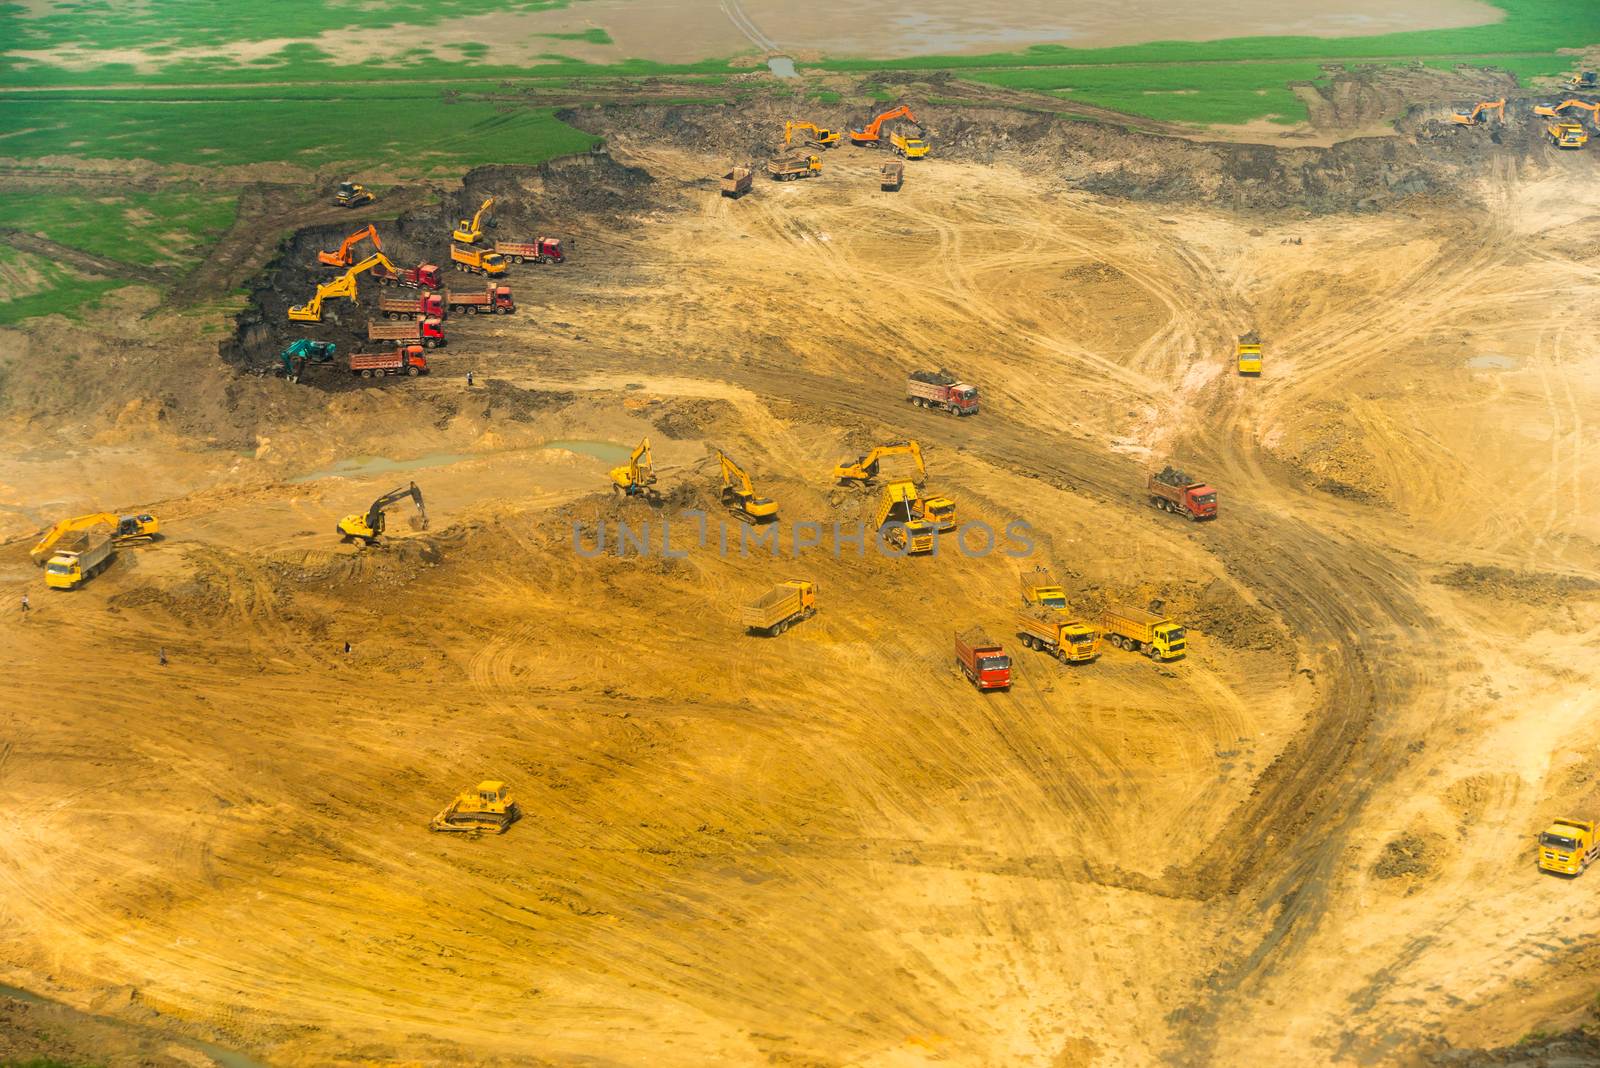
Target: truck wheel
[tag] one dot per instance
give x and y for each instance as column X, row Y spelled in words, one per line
column 413, row 371
column 367, row 373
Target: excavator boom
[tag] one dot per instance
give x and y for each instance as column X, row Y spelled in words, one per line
column 739, row 494
column 368, row 527
column 470, row 231
column 865, row 468
column 872, row 134
column 124, row 528
column 343, row 286
column 346, row 251
column 637, row 478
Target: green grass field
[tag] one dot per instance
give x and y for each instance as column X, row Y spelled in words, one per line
column 146, row 229
column 424, row 110
column 57, row 289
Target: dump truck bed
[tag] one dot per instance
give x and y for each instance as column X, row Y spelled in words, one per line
column 772, row 607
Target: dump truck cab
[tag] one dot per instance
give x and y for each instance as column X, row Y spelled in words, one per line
column 1169, row 640
column 1249, row 359
column 1567, row 846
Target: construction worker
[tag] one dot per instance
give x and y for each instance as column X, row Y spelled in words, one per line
column 26, row 607
column 163, row 656
column 469, row 379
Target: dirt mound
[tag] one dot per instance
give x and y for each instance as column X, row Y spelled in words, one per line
column 1412, row 857
column 1529, row 587
column 1570, row 1049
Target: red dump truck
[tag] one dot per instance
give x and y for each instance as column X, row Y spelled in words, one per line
column 491, row 300
column 422, row 276
column 1174, row 491
column 544, row 250
column 405, row 360
column 421, row 306
column 429, row 332
column 940, row 389
column 982, row 660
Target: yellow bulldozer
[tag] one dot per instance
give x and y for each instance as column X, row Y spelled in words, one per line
column 124, row 529
column 489, row 809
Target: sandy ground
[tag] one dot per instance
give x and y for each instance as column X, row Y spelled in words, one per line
column 1308, row 843
column 686, row 31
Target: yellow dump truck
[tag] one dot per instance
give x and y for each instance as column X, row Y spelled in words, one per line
column 1249, row 355
column 781, row 607
column 1567, row 846
column 1139, row 631
column 1059, row 633
column 80, row 561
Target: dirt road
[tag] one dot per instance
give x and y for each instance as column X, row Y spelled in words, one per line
column 1308, row 842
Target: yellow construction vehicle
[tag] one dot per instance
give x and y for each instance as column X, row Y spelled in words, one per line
column 352, row 194
column 818, row 135
column 1567, row 847
column 369, row 527
column 345, row 253
column 124, row 529
column 1566, row 135
column 488, row 809
column 908, row 147
column 1040, row 589
column 1550, row 111
column 470, row 231
column 343, row 286
column 1586, row 79
column 1248, row 354
column 908, row 532
column 740, row 497
column 1472, row 118
column 936, row 509
column 864, row 469
column 871, row 134
column 637, row 478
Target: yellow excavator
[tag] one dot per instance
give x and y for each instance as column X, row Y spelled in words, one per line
column 125, row 528
column 470, row 231
column 343, row 286
column 637, row 478
column 369, row 527
column 489, row 808
column 1479, row 114
column 345, row 253
column 864, row 469
column 740, row 497
column 910, row 532
column 818, row 135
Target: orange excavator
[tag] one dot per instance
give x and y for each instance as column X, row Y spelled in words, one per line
column 346, row 254
column 872, row 135
column 1550, row 111
column 1471, row 118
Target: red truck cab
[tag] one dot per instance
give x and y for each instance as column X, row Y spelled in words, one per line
column 422, row 276
column 1174, row 491
column 983, row 660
